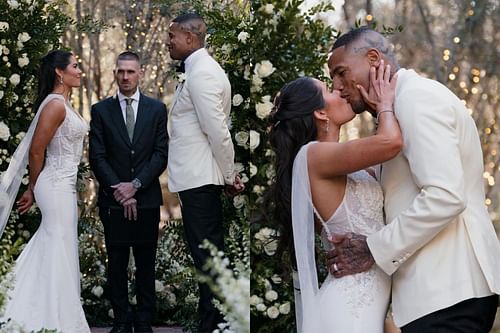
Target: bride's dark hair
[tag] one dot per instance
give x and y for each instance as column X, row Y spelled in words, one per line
column 47, row 73
column 293, row 126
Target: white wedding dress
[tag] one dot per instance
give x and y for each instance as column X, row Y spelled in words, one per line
column 46, row 291
column 352, row 304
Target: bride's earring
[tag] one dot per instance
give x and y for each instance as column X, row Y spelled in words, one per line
column 327, row 127
column 61, row 81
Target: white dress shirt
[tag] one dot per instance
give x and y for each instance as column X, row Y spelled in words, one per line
column 123, row 104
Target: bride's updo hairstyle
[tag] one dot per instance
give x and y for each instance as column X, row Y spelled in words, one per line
column 47, row 77
column 293, row 126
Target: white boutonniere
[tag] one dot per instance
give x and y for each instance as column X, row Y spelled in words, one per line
column 181, row 77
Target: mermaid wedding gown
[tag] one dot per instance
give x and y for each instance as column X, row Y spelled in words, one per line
column 351, row 304
column 46, row 290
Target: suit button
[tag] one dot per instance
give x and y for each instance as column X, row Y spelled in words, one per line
column 132, row 169
column 132, row 152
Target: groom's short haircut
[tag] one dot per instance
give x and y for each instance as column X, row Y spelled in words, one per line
column 193, row 23
column 363, row 38
column 128, row 55
column 349, row 37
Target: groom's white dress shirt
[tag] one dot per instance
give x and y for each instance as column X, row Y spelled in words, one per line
column 439, row 243
column 200, row 150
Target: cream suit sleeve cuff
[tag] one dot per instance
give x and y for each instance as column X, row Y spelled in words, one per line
column 207, row 93
column 428, row 122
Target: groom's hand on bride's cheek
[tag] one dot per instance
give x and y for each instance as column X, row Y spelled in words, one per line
column 350, row 255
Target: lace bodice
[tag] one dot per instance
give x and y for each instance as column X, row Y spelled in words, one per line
column 64, row 151
column 360, row 210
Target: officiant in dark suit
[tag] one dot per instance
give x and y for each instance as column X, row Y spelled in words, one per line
column 128, row 152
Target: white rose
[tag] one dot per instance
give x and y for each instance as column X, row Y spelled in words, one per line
column 238, row 167
column 23, row 37
column 264, row 109
column 271, row 295
column 276, row 279
column 26, row 234
column 4, row 131
column 15, row 79
column 270, row 247
column 237, row 99
column 159, row 287
column 6, row 51
column 268, row 9
column 4, row 26
column 13, row 4
column 3, row 81
column 239, row 201
column 1, row 94
column 253, row 170
column 243, row 36
column 261, row 307
column 97, row 291
column 241, row 138
column 226, row 48
column 254, row 300
column 24, row 61
column 256, row 84
column 264, row 68
column 254, row 139
column 246, row 73
column 273, row 312
column 285, row 308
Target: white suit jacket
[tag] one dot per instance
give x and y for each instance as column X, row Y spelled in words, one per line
column 439, row 243
column 200, row 150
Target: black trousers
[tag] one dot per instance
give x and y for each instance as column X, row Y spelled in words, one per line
column 475, row 315
column 202, row 219
column 142, row 237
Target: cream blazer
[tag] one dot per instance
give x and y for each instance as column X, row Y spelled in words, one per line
column 439, row 243
column 200, row 150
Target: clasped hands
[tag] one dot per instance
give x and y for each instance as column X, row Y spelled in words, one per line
column 350, row 255
column 237, row 187
column 124, row 195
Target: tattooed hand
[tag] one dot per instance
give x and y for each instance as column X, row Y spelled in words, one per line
column 351, row 255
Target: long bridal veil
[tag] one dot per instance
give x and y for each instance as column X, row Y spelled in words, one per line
column 12, row 177
column 308, row 318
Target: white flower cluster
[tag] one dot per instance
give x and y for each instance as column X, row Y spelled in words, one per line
column 269, row 305
column 233, row 285
column 267, row 239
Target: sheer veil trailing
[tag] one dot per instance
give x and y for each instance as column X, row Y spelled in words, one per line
column 11, row 178
column 304, row 241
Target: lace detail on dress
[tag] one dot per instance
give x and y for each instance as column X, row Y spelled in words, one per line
column 64, row 151
column 361, row 211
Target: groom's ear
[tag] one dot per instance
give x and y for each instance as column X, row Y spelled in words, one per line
column 374, row 57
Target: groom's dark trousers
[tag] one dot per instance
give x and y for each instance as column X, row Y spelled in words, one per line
column 202, row 219
column 474, row 315
column 114, row 158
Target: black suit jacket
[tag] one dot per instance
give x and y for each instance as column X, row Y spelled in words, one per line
column 114, row 159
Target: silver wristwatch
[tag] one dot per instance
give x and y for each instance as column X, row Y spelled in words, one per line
column 136, row 183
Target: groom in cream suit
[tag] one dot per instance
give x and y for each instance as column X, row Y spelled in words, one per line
column 201, row 152
column 439, row 244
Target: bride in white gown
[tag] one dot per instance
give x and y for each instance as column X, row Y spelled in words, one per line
column 331, row 189
column 46, row 291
